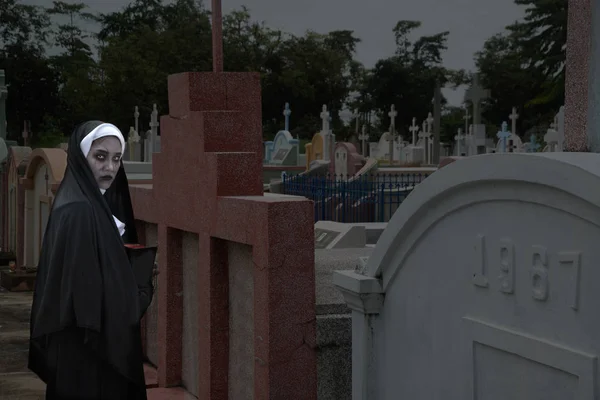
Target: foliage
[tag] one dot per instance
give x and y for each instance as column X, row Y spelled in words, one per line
column 104, row 75
column 408, row 78
column 525, row 67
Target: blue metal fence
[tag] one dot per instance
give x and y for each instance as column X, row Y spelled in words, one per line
column 363, row 198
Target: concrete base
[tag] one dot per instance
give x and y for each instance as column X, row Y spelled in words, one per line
column 17, row 281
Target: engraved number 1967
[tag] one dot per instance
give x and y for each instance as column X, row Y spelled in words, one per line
column 538, row 269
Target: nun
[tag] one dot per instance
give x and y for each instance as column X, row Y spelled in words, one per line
column 85, row 339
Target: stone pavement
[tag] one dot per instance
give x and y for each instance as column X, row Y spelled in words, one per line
column 16, row 381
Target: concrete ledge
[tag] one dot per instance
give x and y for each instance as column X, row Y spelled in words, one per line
column 177, row 393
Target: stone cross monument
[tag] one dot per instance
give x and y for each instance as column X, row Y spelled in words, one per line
column 475, row 94
column 325, row 132
column 392, row 114
column 467, row 118
column 154, row 124
column 513, row 118
column 414, row 129
column 503, row 135
column 364, row 137
column 286, row 113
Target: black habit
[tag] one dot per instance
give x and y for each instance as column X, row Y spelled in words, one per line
column 88, row 300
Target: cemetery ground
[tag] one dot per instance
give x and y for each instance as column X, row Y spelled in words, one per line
column 16, row 381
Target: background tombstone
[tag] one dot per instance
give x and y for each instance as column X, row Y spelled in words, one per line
column 133, row 152
column 18, row 158
column 43, row 175
column 285, row 149
column 448, row 327
column 347, row 161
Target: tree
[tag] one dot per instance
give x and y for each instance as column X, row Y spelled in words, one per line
column 142, row 45
column 408, row 78
column 32, row 84
column 524, row 67
column 542, row 38
column 79, row 77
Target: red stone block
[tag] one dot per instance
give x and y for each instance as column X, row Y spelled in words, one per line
column 224, row 131
column 236, row 174
column 196, row 91
column 212, row 151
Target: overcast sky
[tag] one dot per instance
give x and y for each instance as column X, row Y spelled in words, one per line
column 470, row 22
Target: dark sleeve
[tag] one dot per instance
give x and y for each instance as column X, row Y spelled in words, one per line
column 142, row 262
column 82, row 266
column 145, row 294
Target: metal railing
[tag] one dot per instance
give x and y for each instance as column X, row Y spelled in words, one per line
column 346, row 198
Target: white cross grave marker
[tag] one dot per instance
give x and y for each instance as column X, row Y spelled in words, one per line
column 392, row 114
column 475, row 93
column 503, row 135
column 414, row 129
column 513, row 117
column 286, row 113
column 363, row 137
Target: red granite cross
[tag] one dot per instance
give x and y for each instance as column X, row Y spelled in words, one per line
column 217, row 36
column 207, row 181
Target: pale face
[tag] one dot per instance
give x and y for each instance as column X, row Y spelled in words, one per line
column 104, row 159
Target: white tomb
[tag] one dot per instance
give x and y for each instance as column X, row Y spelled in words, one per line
column 477, row 291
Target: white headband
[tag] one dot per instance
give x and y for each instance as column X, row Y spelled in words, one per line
column 101, row 130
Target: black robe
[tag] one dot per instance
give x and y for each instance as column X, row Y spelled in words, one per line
column 88, row 302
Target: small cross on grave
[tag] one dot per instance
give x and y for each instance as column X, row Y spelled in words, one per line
column 364, row 137
column 414, row 130
column 152, row 133
column 503, row 135
column 475, row 93
column 459, row 136
column 392, row 114
column 533, row 146
column 136, row 118
column 425, row 135
column 132, row 139
column 467, row 118
column 217, row 36
column 429, row 122
column 286, row 113
column 513, row 117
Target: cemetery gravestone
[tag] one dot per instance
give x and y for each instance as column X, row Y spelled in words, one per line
column 475, row 291
column 347, row 160
column 335, row 235
column 285, row 149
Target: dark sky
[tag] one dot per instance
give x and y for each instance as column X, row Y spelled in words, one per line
column 470, row 22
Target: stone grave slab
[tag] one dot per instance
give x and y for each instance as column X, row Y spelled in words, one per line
column 337, row 235
column 476, row 291
column 334, row 328
column 17, row 281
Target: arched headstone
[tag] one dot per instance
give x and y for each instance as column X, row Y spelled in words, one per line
column 477, row 291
